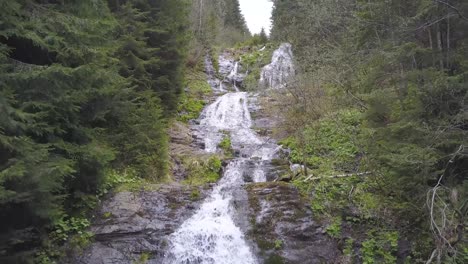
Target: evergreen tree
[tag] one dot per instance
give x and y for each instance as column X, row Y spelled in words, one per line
column 402, row 64
column 84, row 86
column 263, row 36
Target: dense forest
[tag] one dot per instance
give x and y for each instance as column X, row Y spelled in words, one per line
column 86, row 87
column 90, row 91
column 381, row 92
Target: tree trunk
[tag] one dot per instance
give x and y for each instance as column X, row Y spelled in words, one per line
column 431, row 44
column 440, row 47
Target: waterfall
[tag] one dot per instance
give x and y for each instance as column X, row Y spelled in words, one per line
column 211, row 235
column 234, row 76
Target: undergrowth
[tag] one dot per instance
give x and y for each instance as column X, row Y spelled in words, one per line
column 202, row 170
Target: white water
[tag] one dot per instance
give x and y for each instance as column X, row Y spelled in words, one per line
column 281, row 69
column 234, row 75
column 211, row 235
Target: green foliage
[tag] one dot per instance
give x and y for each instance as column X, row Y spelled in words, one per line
column 143, row 259
column 275, row 259
column 348, row 250
column 226, row 145
column 254, row 60
column 195, row 195
column 278, row 244
column 121, row 180
column 334, row 229
column 331, row 143
column 400, row 66
column 217, row 23
column 67, row 226
column 204, row 170
column 380, row 247
column 85, row 86
column 192, row 101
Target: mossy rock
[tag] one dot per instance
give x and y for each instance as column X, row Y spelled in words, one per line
column 275, row 259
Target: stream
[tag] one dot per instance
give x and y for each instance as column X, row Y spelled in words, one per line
column 211, row 234
column 164, row 224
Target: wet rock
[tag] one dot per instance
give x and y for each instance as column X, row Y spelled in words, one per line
column 129, row 224
column 284, row 229
column 231, row 72
column 247, row 176
column 286, row 178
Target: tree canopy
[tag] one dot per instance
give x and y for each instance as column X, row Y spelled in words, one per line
column 84, row 86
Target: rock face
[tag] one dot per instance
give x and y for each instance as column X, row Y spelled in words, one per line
column 281, row 69
column 212, row 78
column 229, row 76
column 283, row 227
column 131, row 224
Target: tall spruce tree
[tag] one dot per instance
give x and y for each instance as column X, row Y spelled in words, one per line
column 84, row 86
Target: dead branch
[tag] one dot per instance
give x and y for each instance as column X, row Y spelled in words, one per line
column 437, row 205
column 452, row 7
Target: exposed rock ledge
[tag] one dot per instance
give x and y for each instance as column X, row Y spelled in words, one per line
column 283, row 227
column 131, row 224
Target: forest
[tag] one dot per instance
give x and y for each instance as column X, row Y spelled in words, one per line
column 382, row 89
column 376, row 116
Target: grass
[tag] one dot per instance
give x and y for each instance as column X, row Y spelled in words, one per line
column 202, row 170
column 192, row 101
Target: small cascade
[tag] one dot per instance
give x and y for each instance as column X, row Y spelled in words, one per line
column 229, row 70
column 211, row 235
column 235, row 77
column 281, row 69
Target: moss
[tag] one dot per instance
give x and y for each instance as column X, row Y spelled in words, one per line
column 143, row 258
column 226, row 145
column 265, row 245
column 107, row 215
column 334, row 229
column 275, row 259
column 279, row 162
column 203, row 170
column 195, row 195
column 278, row 244
column 193, row 101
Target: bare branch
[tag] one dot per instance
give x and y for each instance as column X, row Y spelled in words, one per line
column 452, row 7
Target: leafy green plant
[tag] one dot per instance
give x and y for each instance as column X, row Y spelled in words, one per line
column 195, row 195
column 226, row 145
column 192, row 101
column 67, row 226
column 143, row 259
column 204, row 170
column 278, row 244
column 334, row 229
column 380, row 247
column 348, row 249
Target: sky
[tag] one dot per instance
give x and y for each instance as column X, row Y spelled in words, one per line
column 257, row 13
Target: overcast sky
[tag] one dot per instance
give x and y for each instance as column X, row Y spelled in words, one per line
column 257, row 13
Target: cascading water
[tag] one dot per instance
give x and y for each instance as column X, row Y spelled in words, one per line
column 281, row 69
column 211, row 235
column 234, row 76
